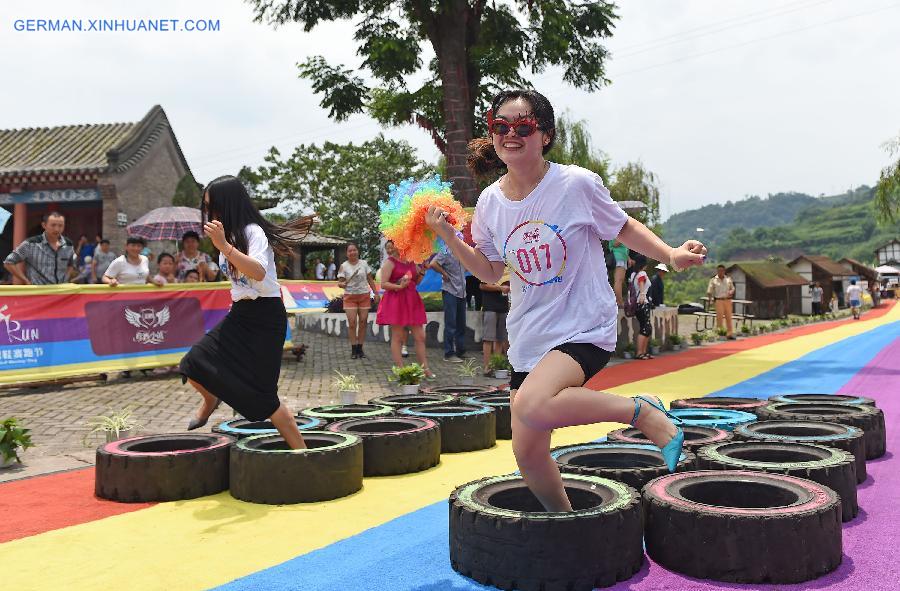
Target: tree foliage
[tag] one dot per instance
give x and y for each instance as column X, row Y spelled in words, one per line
column 633, row 182
column 479, row 47
column 187, row 193
column 342, row 183
column 887, row 193
column 573, row 145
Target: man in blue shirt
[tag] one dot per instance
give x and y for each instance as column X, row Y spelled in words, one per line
column 453, row 290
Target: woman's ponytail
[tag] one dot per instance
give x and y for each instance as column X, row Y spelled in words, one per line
column 482, row 159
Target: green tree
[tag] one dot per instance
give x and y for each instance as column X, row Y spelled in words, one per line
column 887, row 192
column 633, row 182
column 479, row 48
column 573, row 146
column 187, row 192
column 342, row 183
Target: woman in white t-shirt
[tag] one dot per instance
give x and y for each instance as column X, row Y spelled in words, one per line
column 356, row 278
column 239, row 360
column 545, row 221
column 640, row 284
column 132, row 268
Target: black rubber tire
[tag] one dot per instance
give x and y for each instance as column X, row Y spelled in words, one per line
column 731, row 403
column 170, row 467
column 517, row 545
column 502, row 409
column 694, row 437
column 868, row 418
column 264, row 470
column 464, row 427
column 402, row 400
column 338, row 412
column 634, row 464
column 835, row 468
column 845, row 437
column 827, row 398
column 742, row 526
column 395, row 445
column 241, row 428
column 461, row 391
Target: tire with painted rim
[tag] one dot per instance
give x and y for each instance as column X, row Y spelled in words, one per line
column 868, row 418
column 265, row 470
column 395, row 445
column 170, row 467
column 241, row 428
column 694, row 437
column 461, row 391
column 464, row 427
column 339, row 412
column 845, row 437
column 827, row 398
column 501, row 536
column 742, row 526
column 401, row 400
column 501, row 405
column 717, row 418
column 832, row 467
column 728, row 402
column 635, row 464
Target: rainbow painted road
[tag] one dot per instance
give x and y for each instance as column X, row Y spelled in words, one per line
column 392, row 535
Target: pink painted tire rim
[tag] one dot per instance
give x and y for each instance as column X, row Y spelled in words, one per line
column 216, row 440
column 341, row 426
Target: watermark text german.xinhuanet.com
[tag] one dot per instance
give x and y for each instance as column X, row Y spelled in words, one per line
column 115, row 25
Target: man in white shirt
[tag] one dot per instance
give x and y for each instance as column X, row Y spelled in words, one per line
column 320, row 270
column 854, row 297
column 331, row 274
column 721, row 290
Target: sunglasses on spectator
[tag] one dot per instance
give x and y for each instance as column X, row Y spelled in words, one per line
column 522, row 127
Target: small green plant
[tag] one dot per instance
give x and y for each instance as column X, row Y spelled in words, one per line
column 654, row 342
column 795, row 321
column 12, row 437
column 499, row 361
column 116, row 422
column 711, row 336
column 696, row 338
column 346, row 382
column 468, row 369
column 674, row 339
column 408, row 375
column 629, row 347
column 745, row 329
column 721, row 331
column 783, row 323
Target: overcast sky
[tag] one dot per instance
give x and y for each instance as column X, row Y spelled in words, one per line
column 719, row 99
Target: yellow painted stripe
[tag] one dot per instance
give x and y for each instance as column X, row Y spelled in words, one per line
column 198, row 544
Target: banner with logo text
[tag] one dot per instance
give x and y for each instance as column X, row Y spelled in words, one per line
column 59, row 331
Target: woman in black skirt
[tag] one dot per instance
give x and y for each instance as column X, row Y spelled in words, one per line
column 239, row 360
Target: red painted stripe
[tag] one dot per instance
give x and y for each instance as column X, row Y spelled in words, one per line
column 625, row 372
column 36, row 505
column 40, row 307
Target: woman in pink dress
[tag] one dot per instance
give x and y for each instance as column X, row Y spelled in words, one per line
column 402, row 306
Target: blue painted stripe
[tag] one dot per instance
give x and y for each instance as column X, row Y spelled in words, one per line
column 65, row 353
column 410, row 553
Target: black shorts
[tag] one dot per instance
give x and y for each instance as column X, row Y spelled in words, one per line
column 590, row 357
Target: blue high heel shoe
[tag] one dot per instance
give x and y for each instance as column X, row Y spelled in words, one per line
column 672, row 451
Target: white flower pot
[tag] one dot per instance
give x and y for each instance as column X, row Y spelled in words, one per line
column 628, row 355
column 348, row 396
column 467, row 381
column 410, row 388
column 501, row 374
column 8, row 462
column 111, row 435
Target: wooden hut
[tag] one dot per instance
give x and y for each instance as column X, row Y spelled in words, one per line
column 774, row 289
column 830, row 274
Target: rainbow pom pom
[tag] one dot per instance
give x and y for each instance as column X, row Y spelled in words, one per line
column 403, row 216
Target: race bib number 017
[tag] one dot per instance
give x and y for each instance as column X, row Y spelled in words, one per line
column 536, row 252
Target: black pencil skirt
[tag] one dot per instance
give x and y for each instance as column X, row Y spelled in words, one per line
column 240, row 359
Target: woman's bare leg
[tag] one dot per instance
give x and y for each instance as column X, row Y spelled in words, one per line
column 287, row 427
column 418, row 333
column 209, row 402
column 398, row 337
column 552, row 397
column 642, row 342
column 361, row 326
column 351, row 325
column 618, row 284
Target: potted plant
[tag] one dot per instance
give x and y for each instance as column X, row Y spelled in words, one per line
column 745, row 330
column 628, row 351
column 675, row 341
column 696, row 338
column 467, row 371
column 499, row 364
column 654, row 346
column 409, row 377
column 12, row 437
column 721, row 333
column 348, row 387
column 711, row 336
column 116, row 425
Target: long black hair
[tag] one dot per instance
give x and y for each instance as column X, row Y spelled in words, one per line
column 229, row 203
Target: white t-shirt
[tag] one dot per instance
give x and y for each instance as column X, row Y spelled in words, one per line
column 854, row 292
column 357, row 276
column 126, row 273
column 320, row 271
column 550, row 240
column 636, row 281
column 331, row 270
column 259, row 249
